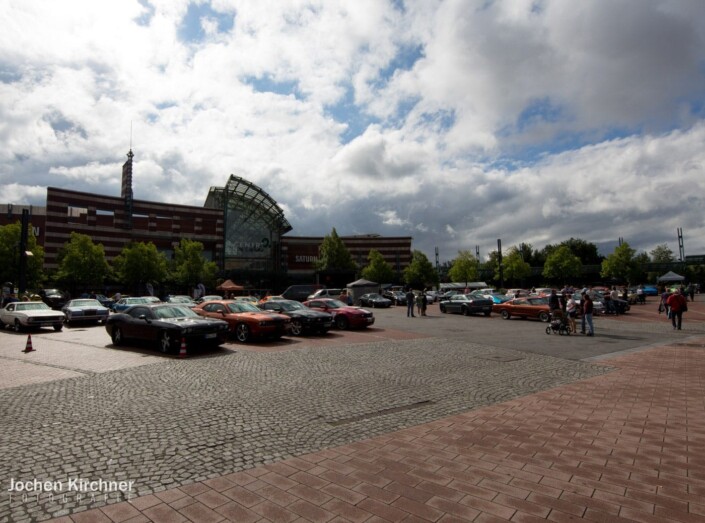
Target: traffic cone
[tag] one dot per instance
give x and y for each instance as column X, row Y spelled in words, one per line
column 28, row 347
column 182, row 350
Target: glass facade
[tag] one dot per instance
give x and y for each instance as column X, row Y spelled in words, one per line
column 254, row 224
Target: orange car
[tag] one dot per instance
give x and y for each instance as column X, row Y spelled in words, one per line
column 530, row 307
column 245, row 319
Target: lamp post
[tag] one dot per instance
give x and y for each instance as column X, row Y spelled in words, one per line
column 24, row 233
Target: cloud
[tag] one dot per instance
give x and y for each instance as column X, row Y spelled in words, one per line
column 456, row 122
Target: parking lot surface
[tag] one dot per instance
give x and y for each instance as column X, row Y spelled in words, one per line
column 438, row 417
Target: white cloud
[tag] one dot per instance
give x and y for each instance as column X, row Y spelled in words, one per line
column 522, row 120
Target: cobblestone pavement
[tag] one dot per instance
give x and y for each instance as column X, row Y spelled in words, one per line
column 188, row 432
column 179, row 421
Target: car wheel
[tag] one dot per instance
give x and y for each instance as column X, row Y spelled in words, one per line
column 58, row 327
column 17, row 325
column 341, row 322
column 506, row 315
column 443, row 309
column 296, row 327
column 488, row 313
column 466, row 311
column 116, row 336
column 544, row 317
column 165, row 342
column 242, row 332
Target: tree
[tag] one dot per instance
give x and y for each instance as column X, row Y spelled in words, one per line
column 10, row 256
column 621, row 264
column 334, row 256
column 464, row 268
column 190, row 267
column 515, row 268
column 662, row 254
column 585, row 251
column 82, row 263
column 562, row 264
column 140, row 263
column 378, row 270
column 420, row 272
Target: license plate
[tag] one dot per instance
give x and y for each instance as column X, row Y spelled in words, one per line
column 210, row 335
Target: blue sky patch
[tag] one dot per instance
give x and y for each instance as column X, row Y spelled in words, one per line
column 404, row 60
column 345, row 111
column 191, row 29
column 147, row 16
column 266, row 84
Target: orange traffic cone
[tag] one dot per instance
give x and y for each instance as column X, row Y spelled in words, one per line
column 28, row 347
column 182, row 350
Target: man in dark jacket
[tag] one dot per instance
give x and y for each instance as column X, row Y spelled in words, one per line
column 410, row 299
column 587, row 314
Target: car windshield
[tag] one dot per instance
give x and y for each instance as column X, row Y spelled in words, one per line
column 174, row 311
column 84, row 303
column 374, row 296
column 291, row 305
column 134, row 301
column 335, row 304
column 243, row 306
column 32, row 306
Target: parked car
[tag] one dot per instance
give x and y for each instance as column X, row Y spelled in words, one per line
column 85, row 309
column 124, row 303
column 598, row 304
column 105, row 301
column 530, row 307
column 495, row 297
column 30, row 315
column 246, row 320
column 303, row 319
column 167, row 325
column 325, row 293
column 396, row 297
column 374, row 300
column 300, row 292
column 181, row 299
column 466, row 304
column 650, row 290
column 55, row 298
column 344, row 316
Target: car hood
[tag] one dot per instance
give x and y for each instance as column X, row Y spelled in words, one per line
column 308, row 314
column 45, row 312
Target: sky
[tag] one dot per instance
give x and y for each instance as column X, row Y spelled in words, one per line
column 455, row 122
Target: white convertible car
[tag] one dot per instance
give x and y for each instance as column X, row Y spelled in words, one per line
column 30, row 314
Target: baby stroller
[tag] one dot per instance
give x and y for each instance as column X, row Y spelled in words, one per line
column 559, row 323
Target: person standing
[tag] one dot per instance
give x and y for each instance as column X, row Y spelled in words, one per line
column 553, row 303
column 571, row 309
column 410, row 299
column 424, row 302
column 587, row 314
column 678, row 304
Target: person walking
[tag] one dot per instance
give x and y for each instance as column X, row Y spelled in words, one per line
column 410, row 299
column 678, row 304
column 587, row 314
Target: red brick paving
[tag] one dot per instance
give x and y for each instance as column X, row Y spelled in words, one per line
column 626, row 446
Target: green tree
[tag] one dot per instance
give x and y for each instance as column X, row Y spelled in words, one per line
column 420, row 272
column 662, row 254
column 140, row 263
column 82, row 263
column 464, row 268
column 585, row 251
column 621, row 264
column 378, row 270
column 562, row 264
column 190, row 267
column 334, row 256
column 10, row 256
column 515, row 268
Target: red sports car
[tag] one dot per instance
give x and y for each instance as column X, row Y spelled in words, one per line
column 245, row 319
column 344, row 316
column 531, row 307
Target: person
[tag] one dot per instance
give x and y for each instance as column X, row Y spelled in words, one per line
column 609, row 305
column 418, row 303
column 410, row 299
column 678, row 304
column 663, row 304
column 640, row 296
column 424, row 302
column 691, row 291
column 553, row 302
column 587, row 314
column 571, row 309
